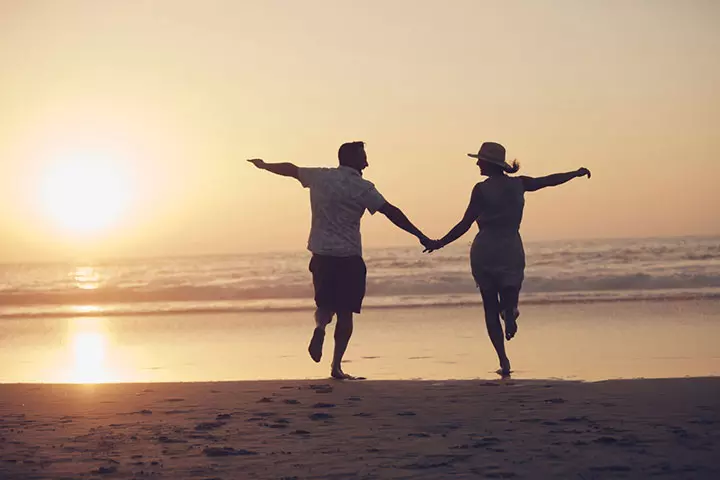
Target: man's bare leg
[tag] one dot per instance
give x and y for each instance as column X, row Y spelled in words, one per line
column 343, row 332
column 323, row 317
column 491, row 305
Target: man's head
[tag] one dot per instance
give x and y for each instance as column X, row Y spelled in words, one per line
column 352, row 154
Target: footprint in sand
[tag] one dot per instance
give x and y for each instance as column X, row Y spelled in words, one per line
column 574, row 419
column 164, row 439
column 265, row 400
column 320, row 416
column 291, row 401
column 321, row 388
column 324, row 405
column 606, row 440
column 406, row 414
column 174, row 399
column 486, row 442
column 176, row 412
column 611, row 468
column 205, row 426
column 105, row 470
column 223, row 416
column 226, row 452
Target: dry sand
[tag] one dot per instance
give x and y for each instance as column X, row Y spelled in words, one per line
column 373, row 429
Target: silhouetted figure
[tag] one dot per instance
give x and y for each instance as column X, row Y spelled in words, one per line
column 497, row 257
column 338, row 199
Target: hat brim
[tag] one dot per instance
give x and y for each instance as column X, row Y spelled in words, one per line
column 504, row 165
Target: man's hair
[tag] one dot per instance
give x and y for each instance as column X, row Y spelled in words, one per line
column 347, row 150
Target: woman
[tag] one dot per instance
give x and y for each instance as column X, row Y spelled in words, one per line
column 497, row 257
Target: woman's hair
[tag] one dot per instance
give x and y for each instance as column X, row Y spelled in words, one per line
column 515, row 166
column 498, row 169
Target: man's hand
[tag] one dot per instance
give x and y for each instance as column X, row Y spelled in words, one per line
column 431, row 245
column 258, row 162
column 583, row 172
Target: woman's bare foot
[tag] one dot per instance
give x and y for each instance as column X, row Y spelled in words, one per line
column 510, row 319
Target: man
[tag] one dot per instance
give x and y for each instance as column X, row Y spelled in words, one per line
column 338, row 199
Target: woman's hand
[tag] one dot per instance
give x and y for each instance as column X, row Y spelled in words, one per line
column 432, row 245
column 581, row 172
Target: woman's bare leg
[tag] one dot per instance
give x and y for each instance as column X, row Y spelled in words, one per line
column 491, row 304
column 509, row 310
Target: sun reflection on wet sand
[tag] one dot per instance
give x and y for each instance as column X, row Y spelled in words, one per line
column 88, row 341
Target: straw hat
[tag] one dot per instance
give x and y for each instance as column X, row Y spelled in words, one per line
column 494, row 153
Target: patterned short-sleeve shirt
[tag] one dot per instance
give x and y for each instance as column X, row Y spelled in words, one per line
column 338, row 199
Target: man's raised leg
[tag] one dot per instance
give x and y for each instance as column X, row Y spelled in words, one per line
column 343, row 332
column 323, row 317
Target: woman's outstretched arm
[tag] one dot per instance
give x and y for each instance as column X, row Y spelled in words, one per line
column 531, row 184
column 471, row 214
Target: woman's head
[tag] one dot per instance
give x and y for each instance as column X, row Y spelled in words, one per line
column 491, row 160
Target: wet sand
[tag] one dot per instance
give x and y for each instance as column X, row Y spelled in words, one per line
column 666, row 428
column 565, row 341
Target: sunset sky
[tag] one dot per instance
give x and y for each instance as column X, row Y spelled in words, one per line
column 124, row 126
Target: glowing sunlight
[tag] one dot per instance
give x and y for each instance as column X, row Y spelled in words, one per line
column 85, row 194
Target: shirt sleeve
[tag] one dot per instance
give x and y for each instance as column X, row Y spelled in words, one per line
column 308, row 176
column 372, row 199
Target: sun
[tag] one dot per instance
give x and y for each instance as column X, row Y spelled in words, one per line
column 85, row 194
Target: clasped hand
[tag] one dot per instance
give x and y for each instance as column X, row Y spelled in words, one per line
column 431, row 245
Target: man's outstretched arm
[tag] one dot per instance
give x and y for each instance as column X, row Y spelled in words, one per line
column 283, row 169
column 396, row 216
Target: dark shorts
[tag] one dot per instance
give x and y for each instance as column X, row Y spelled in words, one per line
column 339, row 282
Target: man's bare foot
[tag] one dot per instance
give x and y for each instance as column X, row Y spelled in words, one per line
column 338, row 374
column 316, row 344
column 504, row 370
column 511, row 326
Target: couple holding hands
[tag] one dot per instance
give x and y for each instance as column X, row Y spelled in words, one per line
column 340, row 196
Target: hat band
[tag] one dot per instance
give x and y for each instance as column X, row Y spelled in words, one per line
column 490, row 159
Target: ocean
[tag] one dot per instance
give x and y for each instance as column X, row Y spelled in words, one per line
column 558, row 272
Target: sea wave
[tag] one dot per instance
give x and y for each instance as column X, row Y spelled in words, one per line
column 378, row 302
column 614, row 270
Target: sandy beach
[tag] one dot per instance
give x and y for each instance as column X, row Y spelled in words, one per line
column 667, row 428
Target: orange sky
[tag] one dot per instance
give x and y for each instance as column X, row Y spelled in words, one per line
column 165, row 99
